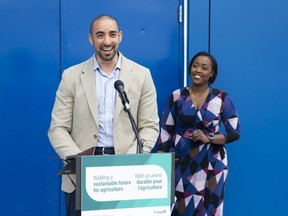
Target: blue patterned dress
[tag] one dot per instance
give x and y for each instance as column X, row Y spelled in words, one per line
column 201, row 169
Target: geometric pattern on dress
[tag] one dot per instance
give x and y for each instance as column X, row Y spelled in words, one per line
column 233, row 122
column 179, row 186
column 214, row 106
column 199, row 116
column 200, row 169
column 198, row 180
column 219, row 210
column 177, row 139
column 170, row 120
column 177, row 95
column 196, row 200
column 164, row 136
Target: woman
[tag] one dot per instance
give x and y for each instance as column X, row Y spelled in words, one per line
column 190, row 127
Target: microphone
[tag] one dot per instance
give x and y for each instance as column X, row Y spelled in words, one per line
column 119, row 86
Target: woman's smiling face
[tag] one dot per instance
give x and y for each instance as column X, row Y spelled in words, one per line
column 201, row 70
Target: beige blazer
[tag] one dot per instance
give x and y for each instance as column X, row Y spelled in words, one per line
column 74, row 122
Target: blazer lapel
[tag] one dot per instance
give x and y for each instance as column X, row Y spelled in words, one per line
column 88, row 83
column 126, row 76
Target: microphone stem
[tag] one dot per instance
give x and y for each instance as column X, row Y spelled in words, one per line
column 134, row 127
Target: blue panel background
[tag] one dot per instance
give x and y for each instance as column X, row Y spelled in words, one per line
column 198, row 27
column 29, row 65
column 249, row 39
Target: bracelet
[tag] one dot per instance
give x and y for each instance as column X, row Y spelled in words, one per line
column 211, row 137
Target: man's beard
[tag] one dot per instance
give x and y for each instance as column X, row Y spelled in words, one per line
column 109, row 57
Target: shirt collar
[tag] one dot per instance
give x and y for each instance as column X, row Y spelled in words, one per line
column 118, row 64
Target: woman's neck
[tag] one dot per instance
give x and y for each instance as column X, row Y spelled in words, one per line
column 199, row 89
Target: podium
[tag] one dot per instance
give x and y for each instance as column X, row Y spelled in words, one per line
column 125, row 185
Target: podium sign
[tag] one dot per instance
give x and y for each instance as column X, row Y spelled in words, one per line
column 123, row 185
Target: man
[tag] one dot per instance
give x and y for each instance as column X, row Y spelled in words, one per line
column 88, row 112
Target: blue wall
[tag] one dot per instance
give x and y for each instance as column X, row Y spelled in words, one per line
column 249, row 40
column 29, row 65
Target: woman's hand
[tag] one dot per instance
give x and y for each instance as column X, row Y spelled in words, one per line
column 198, row 135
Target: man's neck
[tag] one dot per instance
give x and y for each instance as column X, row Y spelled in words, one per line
column 108, row 66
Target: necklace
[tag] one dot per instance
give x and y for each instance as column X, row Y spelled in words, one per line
column 198, row 98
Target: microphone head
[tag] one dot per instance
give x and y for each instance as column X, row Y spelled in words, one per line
column 118, row 83
column 119, row 86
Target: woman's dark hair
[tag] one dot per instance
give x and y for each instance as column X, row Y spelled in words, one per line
column 213, row 61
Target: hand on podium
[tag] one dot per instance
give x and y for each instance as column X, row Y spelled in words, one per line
column 70, row 166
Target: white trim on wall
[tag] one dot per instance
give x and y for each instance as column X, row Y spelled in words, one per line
column 185, row 40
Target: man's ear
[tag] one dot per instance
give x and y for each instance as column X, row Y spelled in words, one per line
column 90, row 39
column 120, row 36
